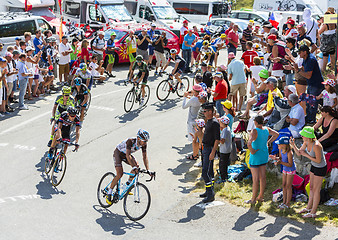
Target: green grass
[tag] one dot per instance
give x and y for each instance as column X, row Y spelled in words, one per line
column 237, row 193
column 243, row 4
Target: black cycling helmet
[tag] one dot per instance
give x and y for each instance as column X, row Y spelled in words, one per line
column 71, row 111
column 77, row 81
column 139, row 58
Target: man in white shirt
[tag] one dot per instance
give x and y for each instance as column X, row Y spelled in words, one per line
column 296, row 116
column 99, row 46
column 311, row 25
column 10, row 78
column 65, row 50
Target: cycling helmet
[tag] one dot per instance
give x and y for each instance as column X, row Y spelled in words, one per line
column 143, row 135
column 66, row 90
column 83, row 66
column 139, row 58
column 173, row 51
column 71, row 111
column 206, row 43
column 200, row 122
column 77, row 81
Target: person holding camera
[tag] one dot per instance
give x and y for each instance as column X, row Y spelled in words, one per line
column 143, row 41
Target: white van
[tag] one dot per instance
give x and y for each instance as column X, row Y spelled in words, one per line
column 109, row 12
column 200, row 11
column 324, row 4
column 286, row 5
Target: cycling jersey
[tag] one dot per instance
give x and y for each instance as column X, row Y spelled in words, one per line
column 207, row 51
column 142, row 68
column 81, row 93
column 84, row 76
column 131, row 144
column 66, row 125
column 62, row 105
column 177, row 59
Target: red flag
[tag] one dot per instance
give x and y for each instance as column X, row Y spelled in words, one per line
column 210, row 17
column 28, row 6
column 273, row 21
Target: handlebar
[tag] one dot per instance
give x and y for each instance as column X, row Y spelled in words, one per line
column 151, row 174
column 69, row 143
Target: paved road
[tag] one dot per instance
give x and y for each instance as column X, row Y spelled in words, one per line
column 30, row 208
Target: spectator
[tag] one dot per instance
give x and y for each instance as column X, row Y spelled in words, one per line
column 194, row 28
column 278, row 53
column 188, row 41
column 110, row 53
column 217, row 45
column 199, row 81
column 220, row 92
column 247, row 35
column 233, row 39
column 31, row 63
column 210, row 142
column 74, row 54
column 328, row 43
column 207, row 77
column 38, row 42
column 51, row 53
column 202, row 98
column 329, row 95
column 191, row 101
column 273, row 91
column 142, row 44
column 17, row 43
column 329, row 123
column 197, row 141
column 291, row 31
column 296, row 116
column 311, row 25
column 131, row 49
column 255, row 69
column 10, row 78
column 238, row 81
column 183, row 31
column 310, row 70
column 28, row 38
column 225, row 148
column 99, row 46
column 313, row 150
column 65, row 50
column 258, row 145
column 97, row 70
column 84, row 51
column 229, row 111
column 248, row 57
column 23, row 75
column 3, row 86
column 196, row 50
column 151, row 34
column 22, row 47
column 291, row 51
column 302, row 36
column 160, row 43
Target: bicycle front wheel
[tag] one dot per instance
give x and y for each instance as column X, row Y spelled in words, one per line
column 59, row 169
column 163, row 90
column 103, row 187
column 129, row 101
column 88, row 102
column 136, row 202
column 182, row 87
column 146, row 95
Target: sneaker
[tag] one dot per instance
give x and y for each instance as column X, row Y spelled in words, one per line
column 23, row 107
column 108, row 199
column 198, row 164
column 1, row 115
column 155, row 73
column 49, row 143
column 141, row 101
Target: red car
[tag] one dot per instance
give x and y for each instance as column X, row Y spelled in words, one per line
column 122, row 34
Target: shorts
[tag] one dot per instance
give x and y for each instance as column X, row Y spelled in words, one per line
column 64, row 69
column 289, row 172
column 277, row 73
column 320, row 172
column 10, row 88
column 180, row 68
column 36, row 76
column 151, row 50
column 257, row 166
column 4, row 93
column 194, row 54
column 332, row 52
column 111, row 58
column 65, row 133
column 248, row 74
column 99, row 57
column 143, row 53
column 212, row 58
column 118, row 159
column 241, row 88
column 145, row 79
column 79, row 99
column 132, row 57
column 302, row 82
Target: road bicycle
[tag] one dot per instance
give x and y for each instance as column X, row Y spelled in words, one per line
column 58, row 164
column 169, row 85
column 287, row 5
column 78, row 107
column 135, row 95
column 136, row 196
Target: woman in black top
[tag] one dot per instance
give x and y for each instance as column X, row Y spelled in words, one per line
column 329, row 124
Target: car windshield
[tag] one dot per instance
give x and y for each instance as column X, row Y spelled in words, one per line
column 165, row 12
column 117, row 12
column 242, row 25
column 119, row 34
column 264, row 15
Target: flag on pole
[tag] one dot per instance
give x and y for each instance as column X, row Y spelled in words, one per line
column 28, row 6
column 273, row 21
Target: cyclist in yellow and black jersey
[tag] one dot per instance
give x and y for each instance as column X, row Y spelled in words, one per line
column 61, row 104
column 207, row 52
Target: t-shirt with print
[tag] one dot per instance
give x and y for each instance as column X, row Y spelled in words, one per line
column 189, row 40
column 110, row 44
column 227, row 145
column 100, row 44
column 10, row 68
column 63, row 48
column 248, row 57
column 328, row 98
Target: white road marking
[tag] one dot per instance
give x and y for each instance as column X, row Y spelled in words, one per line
column 103, row 108
column 21, row 197
column 22, row 147
column 3, row 144
column 209, row 205
column 46, row 113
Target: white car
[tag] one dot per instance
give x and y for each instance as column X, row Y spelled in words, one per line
column 242, row 24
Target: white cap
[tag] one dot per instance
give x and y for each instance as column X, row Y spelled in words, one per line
column 153, row 25
column 292, row 89
column 29, row 48
column 100, row 33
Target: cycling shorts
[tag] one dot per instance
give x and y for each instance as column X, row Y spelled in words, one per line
column 119, row 157
column 180, row 68
column 65, row 132
column 145, row 79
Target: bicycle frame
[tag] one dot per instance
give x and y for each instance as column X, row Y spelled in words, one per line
column 133, row 182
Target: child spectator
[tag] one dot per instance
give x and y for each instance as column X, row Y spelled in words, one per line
column 329, row 94
column 197, row 139
column 97, row 70
column 224, row 148
column 199, row 81
column 229, row 111
column 289, row 170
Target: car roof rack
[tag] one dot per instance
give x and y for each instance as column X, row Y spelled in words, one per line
column 14, row 15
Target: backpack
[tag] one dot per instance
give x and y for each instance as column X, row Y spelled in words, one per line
column 92, row 42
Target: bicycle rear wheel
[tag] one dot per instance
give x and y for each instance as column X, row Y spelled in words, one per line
column 59, row 169
column 88, row 102
column 103, row 187
column 136, row 202
column 163, row 90
column 129, row 101
column 146, row 95
column 182, row 87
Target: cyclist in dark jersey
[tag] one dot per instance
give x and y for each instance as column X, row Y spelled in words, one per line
column 81, row 95
column 142, row 75
column 123, row 153
column 62, row 129
column 179, row 65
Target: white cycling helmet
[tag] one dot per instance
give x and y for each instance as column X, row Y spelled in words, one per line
column 143, row 135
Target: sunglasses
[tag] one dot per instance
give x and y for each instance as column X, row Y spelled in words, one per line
column 72, row 116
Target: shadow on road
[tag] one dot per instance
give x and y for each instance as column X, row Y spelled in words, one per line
column 167, row 104
column 183, row 150
column 246, row 220
column 193, row 213
column 127, row 117
column 112, row 222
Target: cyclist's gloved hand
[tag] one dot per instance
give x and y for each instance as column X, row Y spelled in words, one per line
column 59, row 140
column 77, row 146
column 51, row 120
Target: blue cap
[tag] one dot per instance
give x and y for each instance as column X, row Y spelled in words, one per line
column 283, row 140
column 17, row 38
column 2, row 59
